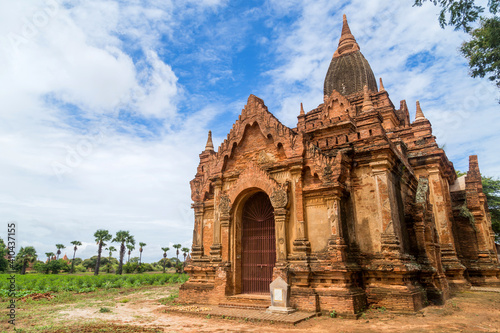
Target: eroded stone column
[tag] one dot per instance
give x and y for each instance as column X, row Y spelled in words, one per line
column 225, row 222
column 280, row 222
column 432, row 275
column 197, row 250
column 220, row 199
column 301, row 244
column 279, row 200
column 474, row 192
column 440, row 201
column 390, row 243
column 336, row 245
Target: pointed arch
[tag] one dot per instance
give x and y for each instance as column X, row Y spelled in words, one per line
column 253, row 177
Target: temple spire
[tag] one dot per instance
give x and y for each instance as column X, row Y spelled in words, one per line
column 210, row 145
column 381, row 85
column 420, row 113
column 367, row 101
column 345, row 26
column 349, row 71
column 347, row 42
column 474, row 174
column 302, row 113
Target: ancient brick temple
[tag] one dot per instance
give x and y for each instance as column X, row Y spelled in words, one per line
column 357, row 205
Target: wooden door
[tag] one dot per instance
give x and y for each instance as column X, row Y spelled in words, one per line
column 258, row 244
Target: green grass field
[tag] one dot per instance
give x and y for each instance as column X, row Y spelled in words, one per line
column 41, row 283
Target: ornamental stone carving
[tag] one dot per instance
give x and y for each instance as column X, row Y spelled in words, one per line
column 265, row 158
column 422, row 190
column 332, row 207
column 327, row 173
column 279, row 197
column 224, row 204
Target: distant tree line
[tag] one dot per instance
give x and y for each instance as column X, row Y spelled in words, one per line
column 28, row 257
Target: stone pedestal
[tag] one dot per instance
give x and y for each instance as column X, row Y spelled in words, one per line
column 280, row 297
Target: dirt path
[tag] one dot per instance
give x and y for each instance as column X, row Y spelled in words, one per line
column 141, row 311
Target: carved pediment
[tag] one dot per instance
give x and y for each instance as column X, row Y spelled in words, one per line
column 254, row 114
column 338, row 107
column 256, row 137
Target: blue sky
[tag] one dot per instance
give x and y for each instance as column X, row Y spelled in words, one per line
column 105, row 105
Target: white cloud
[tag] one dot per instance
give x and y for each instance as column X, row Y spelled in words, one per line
column 67, row 174
column 157, row 96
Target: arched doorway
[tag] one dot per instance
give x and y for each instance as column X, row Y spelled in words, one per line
column 258, row 244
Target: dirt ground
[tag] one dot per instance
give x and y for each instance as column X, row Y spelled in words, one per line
column 141, row 310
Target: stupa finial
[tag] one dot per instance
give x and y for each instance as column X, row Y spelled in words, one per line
column 381, row 85
column 210, row 145
column 347, row 42
column 420, row 113
column 367, row 100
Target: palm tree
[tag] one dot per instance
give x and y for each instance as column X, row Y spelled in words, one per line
column 76, row 244
column 27, row 255
column 141, row 245
column 123, row 237
column 111, row 249
column 59, row 247
column 185, row 252
column 177, row 246
column 130, row 248
column 164, row 249
column 49, row 256
column 100, row 236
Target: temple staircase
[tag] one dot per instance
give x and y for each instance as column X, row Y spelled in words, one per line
column 247, row 301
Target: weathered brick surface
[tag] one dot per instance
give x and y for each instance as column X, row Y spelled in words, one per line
column 196, row 293
column 342, row 301
column 367, row 207
column 397, row 300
